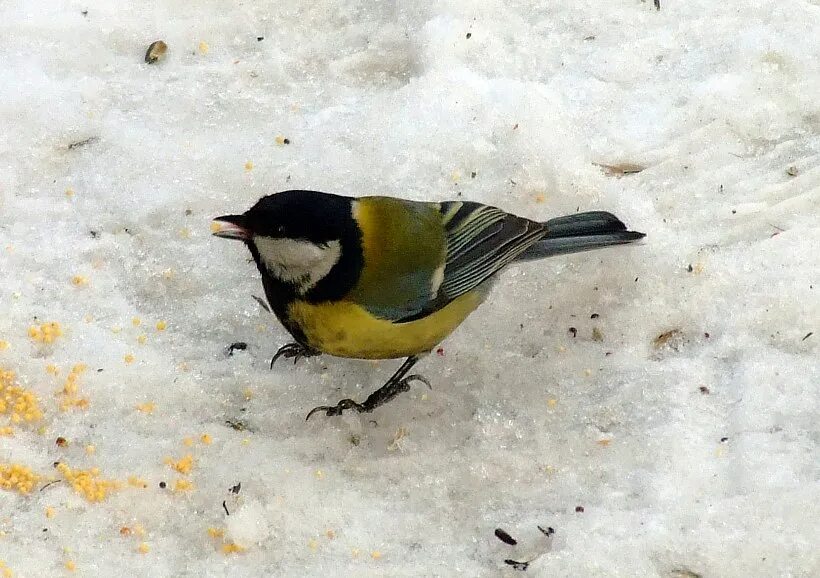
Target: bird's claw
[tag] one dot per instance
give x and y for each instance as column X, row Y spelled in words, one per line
column 293, row 351
column 415, row 377
column 337, row 409
column 377, row 398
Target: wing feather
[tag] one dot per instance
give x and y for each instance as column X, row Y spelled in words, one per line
column 480, row 240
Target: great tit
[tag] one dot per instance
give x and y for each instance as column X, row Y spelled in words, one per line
column 384, row 278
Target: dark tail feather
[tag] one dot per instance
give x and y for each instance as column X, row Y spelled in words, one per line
column 580, row 232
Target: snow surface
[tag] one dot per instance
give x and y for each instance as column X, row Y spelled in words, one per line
column 525, row 422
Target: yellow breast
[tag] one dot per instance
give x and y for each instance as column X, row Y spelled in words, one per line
column 345, row 329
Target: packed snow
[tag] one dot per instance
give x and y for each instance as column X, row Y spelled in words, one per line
column 655, row 405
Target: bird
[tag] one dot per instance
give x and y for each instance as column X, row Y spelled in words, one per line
column 378, row 277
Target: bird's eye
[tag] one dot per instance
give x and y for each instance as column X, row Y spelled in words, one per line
column 280, row 229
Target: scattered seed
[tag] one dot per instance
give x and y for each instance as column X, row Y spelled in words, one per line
column 155, row 51
column 236, row 424
column 261, row 302
column 163, row 485
column 62, row 442
column 260, row 38
column 469, row 35
column 440, row 351
column 238, row 346
column 573, row 331
column 664, row 338
column 548, row 531
column 594, row 316
column 809, row 334
column 792, row 171
column 724, row 439
column 620, row 169
column 689, row 268
column 686, row 573
column 704, row 390
column 522, row 566
column 579, row 509
column 505, row 537
column 82, row 143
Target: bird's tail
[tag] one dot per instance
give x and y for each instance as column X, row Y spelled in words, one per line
column 580, row 232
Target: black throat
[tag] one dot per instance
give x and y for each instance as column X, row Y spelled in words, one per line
column 332, row 287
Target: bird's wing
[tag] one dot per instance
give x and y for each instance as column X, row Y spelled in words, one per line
column 480, row 240
column 418, row 257
column 403, row 250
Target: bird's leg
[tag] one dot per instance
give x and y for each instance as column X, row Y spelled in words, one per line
column 394, row 386
column 293, row 351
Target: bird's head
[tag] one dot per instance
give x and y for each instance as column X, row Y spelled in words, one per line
column 297, row 237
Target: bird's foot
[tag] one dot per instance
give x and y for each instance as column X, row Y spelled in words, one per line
column 379, row 397
column 294, row 351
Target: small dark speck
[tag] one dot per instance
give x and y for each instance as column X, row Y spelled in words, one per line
column 809, row 334
column 235, row 489
column 636, row 279
column 44, row 530
column 473, row 174
column 573, row 331
column 579, row 509
column 260, row 38
column 517, row 565
column 704, row 390
column 100, row 370
column 188, row 212
column 689, row 268
column 594, row 316
column 82, row 143
column 469, row 35
column 94, row 234
column 707, row 335
column 505, row 537
column 238, row 346
column 162, row 485
column 724, row 439
column 225, row 507
column 657, row 4
column 548, row 531
column 286, row 141
column 84, row 12
column 734, row 212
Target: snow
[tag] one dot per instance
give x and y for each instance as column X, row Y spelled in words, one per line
column 525, row 423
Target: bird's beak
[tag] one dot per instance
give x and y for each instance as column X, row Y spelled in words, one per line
column 231, row 227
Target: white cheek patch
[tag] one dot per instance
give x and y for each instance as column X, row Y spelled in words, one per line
column 298, row 261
